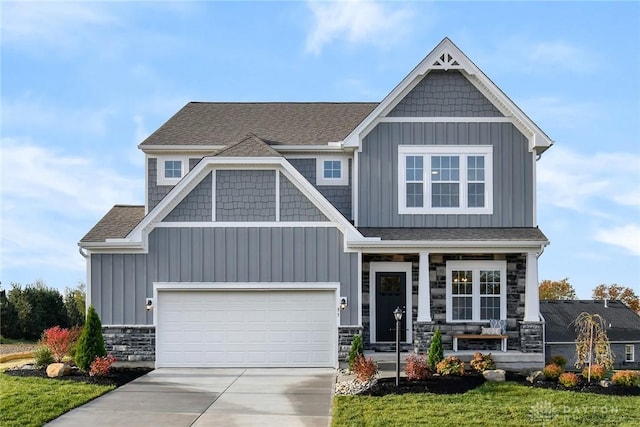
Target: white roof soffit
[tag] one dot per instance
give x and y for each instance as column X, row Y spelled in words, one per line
column 447, row 56
column 207, row 164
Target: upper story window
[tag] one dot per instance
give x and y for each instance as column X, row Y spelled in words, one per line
column 445, row 179
column 476, row 291
column 331, row 171
column 171, row 170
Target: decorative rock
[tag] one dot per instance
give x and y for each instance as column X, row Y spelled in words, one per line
column 58, row 370
column 495, row 375
column 28, row 367
column 353, row 386
column 605, row 383
column 535, row 376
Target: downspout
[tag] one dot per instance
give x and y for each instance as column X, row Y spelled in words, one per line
column 87, row 298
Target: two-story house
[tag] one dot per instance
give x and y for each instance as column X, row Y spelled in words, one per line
column 273, row 232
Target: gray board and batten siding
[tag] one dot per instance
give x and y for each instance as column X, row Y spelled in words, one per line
column 121, row 282
column 338, row 195
column 512, row 174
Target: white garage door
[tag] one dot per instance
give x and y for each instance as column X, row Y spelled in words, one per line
column 246, row 328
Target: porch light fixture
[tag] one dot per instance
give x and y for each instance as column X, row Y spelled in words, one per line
column 343, row 303
column 397, row 313
column 149, row 304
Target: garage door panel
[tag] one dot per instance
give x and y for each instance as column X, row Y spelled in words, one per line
column 246, row 328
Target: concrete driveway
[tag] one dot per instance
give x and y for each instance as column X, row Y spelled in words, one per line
column 213, row 397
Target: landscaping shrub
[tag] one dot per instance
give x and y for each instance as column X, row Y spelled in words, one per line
column 559, row 360
column 436, row 351
column 357, row 349
column 482, row 362
column 58, row 340
column 416, row 367
column 450, row 366
column 597, row 372
column 568, row 379
column 364, row 368
column 42, row 357
column 626, row 378
column 91, row 342
column 101, row 365
column 552, row 371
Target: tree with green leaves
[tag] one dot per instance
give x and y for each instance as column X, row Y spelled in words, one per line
column 91, row 342
column 436, row 351
column 556, row 289
column 74, row 303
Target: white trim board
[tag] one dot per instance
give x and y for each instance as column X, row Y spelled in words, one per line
column 390, row 267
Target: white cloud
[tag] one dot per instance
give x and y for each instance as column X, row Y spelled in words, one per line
column 557, row 113
column 51, row 23
column 49, row 200
column 592, row 184
column 625, row 236
column 356, row 21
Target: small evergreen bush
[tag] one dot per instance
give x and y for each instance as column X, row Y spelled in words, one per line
column 597, row 372
column 626, row 378
column 43, row 357
column 416, row 367
column 91, row 342
column 357, row 349
column 568, row 379
column 482, row 362
column 450, row 366
column 559, row 360
column 364, row 368
column 436, row 351
column 552, row 371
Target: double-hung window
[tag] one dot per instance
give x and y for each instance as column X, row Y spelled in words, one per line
column 445, row 179
column 476, row 291
column 629, row 353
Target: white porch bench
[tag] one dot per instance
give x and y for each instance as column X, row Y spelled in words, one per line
column 502, row 338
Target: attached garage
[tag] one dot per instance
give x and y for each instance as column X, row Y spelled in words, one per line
column 294, row 325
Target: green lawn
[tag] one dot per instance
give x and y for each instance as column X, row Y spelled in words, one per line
column 492, row 404
column 34, row 401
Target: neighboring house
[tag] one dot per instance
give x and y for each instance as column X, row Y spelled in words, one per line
column 623, row 329
column 273, row 232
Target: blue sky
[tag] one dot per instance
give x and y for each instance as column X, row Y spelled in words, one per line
column 84, row 83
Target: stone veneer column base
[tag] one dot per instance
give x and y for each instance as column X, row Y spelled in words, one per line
column 422, row 334
column 130, row 343
column 345, row 336
column 531, row 337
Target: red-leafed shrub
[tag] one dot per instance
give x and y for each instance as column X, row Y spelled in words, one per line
column 59, row 341
column 552, row 371
column 364, row 368
column 101, row 365
column 568, row 379
column 416, row 367
column 482, row 362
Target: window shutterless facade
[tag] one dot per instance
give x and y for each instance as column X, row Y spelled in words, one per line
column 629, row 353
column 476, row 291
column 332, row 171
column 445, row 179
column 171, row 169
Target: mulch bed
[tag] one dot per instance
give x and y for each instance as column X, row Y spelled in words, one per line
column 462, row 384
column 116, row 376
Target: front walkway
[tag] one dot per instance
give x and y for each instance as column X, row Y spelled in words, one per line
column 213, row 397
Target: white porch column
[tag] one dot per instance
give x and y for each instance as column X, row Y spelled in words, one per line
column 531, row 297
column 424, row 293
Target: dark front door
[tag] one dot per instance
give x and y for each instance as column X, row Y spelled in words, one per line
column 391, row 292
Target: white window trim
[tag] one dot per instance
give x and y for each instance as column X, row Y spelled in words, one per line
column 633, row 353
column 452, row 150
column 475, row 266
column 161, row 180
column 344, row 171
column 390, row 267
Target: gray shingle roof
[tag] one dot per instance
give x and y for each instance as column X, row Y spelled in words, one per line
column 559, row 315
column 116, row 224
column 283, row 123
column 249, row 146
column 448, row 234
